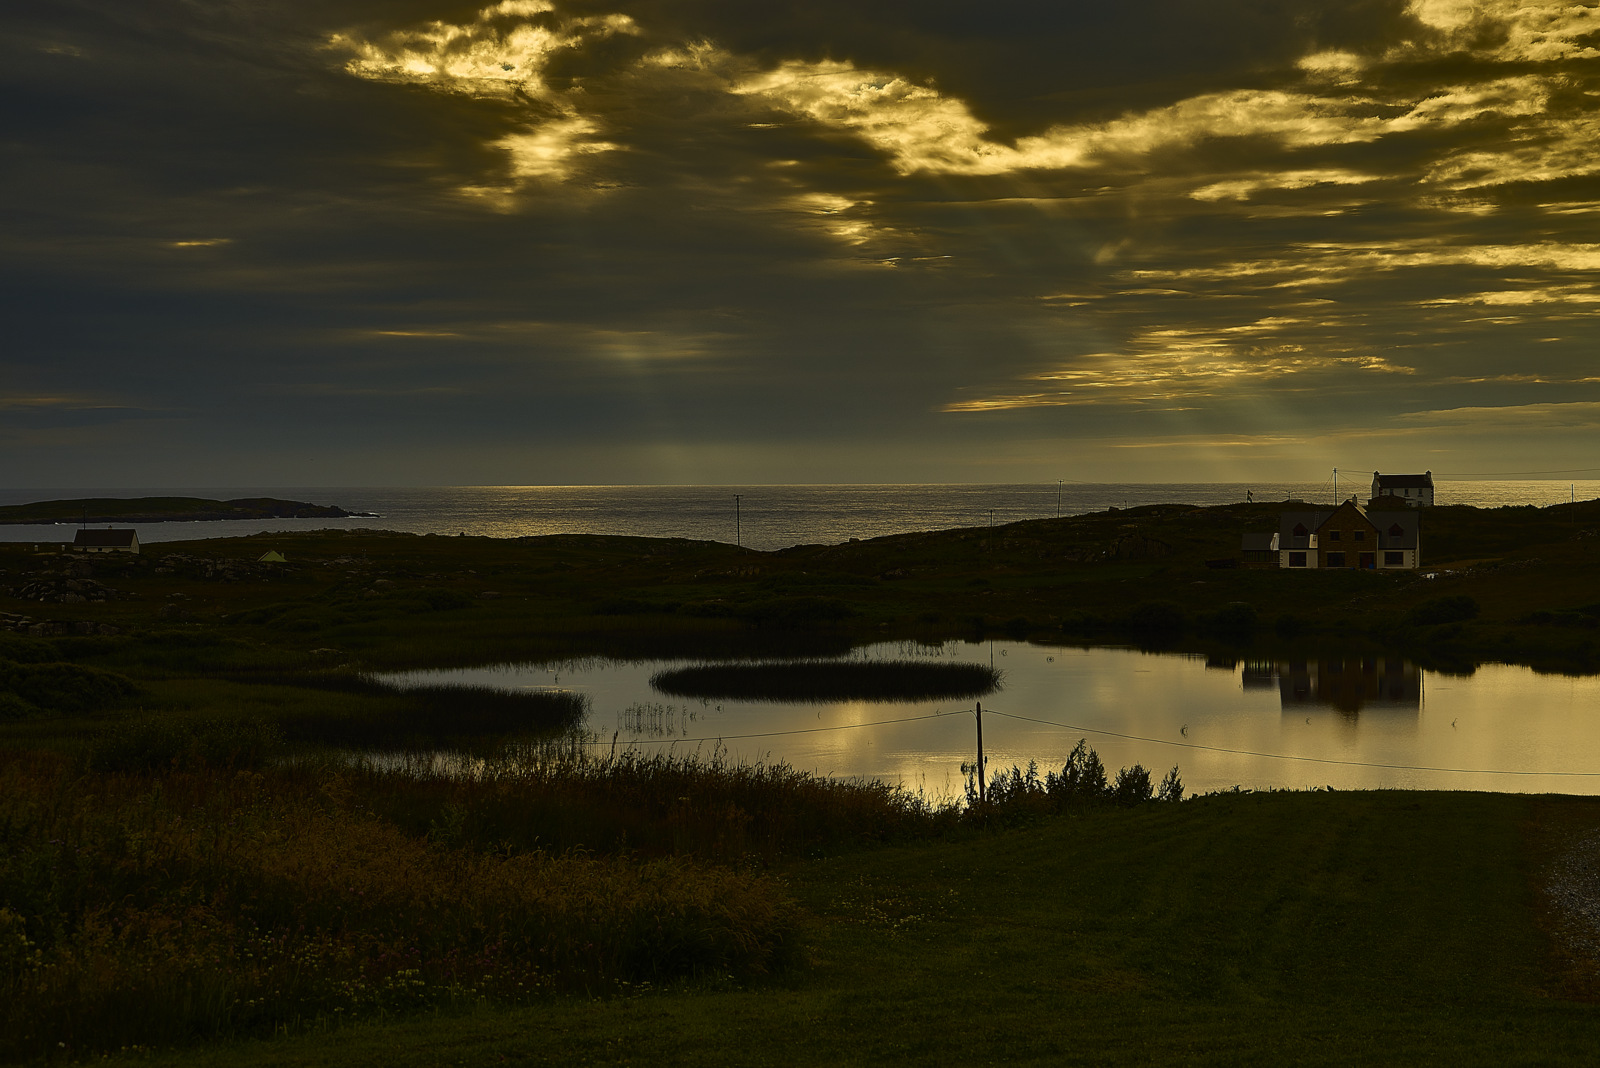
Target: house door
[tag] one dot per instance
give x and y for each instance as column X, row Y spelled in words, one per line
column 1369, row 560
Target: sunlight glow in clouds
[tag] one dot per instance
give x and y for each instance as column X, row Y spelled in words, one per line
column 1183, row 364
column 500, row 55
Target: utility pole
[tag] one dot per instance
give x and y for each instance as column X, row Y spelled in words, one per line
column 1058, row 498
column 980, row 755
column 738, row 524
column 1336, row 486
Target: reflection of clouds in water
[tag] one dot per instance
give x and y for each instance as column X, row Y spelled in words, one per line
column 1173, row 709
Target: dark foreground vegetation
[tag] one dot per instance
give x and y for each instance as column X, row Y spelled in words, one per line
column 1313, row 928
column 192, row 860
column 223, row 900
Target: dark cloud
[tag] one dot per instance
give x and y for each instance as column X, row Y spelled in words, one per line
column 699, row 239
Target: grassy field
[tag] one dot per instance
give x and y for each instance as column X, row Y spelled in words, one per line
column 1381, row 928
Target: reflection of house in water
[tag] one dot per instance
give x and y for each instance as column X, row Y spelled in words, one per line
column 1347, row 683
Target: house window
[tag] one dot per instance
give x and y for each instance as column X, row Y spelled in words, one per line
column 1361, row 535
column 1394, row 559
column 1297, row 559
column 1336, row 559
column 1300, row 530
column 1333, row 535
column 1395, row 531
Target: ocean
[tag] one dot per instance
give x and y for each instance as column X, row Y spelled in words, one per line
column 759, row 517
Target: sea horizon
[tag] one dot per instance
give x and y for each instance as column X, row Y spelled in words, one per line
column 764, row 517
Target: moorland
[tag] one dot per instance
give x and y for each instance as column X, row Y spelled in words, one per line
column 192, row 868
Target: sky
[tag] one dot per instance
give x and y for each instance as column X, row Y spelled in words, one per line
column 415, row 242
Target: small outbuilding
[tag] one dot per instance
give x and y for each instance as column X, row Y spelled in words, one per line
column 272, row 556
column 106, row 541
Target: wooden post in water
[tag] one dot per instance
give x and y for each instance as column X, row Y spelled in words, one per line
column 980, row 754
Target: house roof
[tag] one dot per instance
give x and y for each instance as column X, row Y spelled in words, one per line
column 1422, row 481
column 1254, row 541
column 1398, row 530
column 1288, row 521
column 105, row 538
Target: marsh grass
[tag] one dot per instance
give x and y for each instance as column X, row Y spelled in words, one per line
column 145, row 910
column 829, row 680
column 562, row 795
column 402, row 718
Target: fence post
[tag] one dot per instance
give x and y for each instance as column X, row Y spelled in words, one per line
column 980, row 754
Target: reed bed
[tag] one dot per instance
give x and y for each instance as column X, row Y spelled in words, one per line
column 562, row 795
column 829, row 680
column 139, row 910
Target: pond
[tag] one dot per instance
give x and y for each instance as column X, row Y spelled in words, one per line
column 1350, row 722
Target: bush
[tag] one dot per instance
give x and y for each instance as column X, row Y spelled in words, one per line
column 1082, row 778
column 1452, row 609
column 1132, row 787
column 1080, row 784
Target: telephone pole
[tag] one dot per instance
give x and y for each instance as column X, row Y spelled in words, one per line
column 738, row 524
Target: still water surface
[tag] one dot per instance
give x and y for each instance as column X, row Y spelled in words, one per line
column 1351, row 723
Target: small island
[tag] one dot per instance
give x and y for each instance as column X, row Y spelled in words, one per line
column 169, row 510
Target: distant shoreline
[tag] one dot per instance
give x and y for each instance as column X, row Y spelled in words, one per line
column 168, row 510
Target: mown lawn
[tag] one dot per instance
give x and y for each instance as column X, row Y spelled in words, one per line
column 1287, row 928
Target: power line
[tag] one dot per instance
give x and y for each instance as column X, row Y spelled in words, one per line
column 1506, row 474
column 1285, row 756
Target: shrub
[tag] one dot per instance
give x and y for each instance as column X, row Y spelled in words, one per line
column 1080, row 784
column 1082, row 778
column 1132, row 787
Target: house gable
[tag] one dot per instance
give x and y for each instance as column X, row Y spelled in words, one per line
column 1347, row 538
column 106, row 541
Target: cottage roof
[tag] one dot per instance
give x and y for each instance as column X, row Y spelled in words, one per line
column 1385, row 482
column 105, row 539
